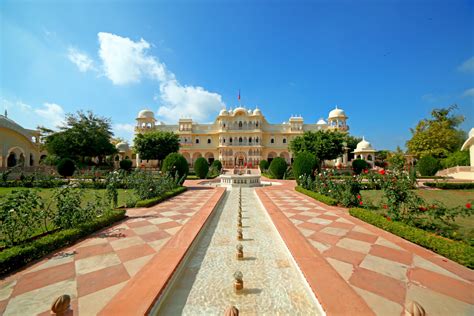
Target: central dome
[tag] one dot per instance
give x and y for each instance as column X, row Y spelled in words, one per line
column 337, row 113
column 364, row 145
column 146, row 114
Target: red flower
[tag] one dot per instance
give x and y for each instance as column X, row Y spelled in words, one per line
column 366, row 171
column 422, row 208
column 358, row 196
column 385, row 206
column 382, row 172
column 360, row 203
column 468, row 205
column 389, row 219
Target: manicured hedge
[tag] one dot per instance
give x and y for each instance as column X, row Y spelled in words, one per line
column 317, row 196
column 201, row 167
column 165, row 196
column 455, row 250
column 18, row 256
column 451, row 185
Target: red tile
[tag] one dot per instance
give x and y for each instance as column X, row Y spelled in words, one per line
column 325, row 238
column 94, row 250
column 168, row 225
column 401, row 256
column 345, row 255
column 311, row 226
column 134, row 252
column 341, row 225
column 34, row 280
column 459, row 290
column 101, row 279
column 303, row 218
column 161, row 234
column 379, row 284
column 362, row 237
column 177, row 217
column 330, row 217
column 138, row 224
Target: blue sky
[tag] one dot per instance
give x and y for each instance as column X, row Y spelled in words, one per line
column 386, row 63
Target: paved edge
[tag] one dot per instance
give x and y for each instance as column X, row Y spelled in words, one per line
column 142, row 291
column 333, row 293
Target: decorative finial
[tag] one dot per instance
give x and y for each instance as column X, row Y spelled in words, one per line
column 6, row 113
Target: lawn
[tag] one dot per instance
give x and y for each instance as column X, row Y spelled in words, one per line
column 46, row 194
column 450, row 198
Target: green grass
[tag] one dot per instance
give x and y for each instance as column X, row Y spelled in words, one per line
column 46, row 194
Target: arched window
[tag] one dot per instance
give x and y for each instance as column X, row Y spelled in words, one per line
column 284, row 140
column 256, row 140
column 197, row 140
column 240, row 139
column 240, row 124
column 272, row 141
column 250, row 140
column 230, row 140
column 208, row 140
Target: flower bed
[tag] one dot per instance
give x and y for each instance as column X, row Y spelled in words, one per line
column 161, row 198
column 455, row 250
column 17, row 256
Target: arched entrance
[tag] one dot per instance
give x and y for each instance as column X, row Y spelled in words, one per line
column 11, row 160
column 271, row 155
column 209, row 157
column 240, row 159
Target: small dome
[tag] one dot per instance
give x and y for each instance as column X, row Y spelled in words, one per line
column 249, row 112
column 257, row 111
column 364, row 145
column 122, row 147
column 146, row 114
column 321, row 122
column 337, row 113
column 223, row 112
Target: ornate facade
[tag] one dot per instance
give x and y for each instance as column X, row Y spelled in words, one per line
column 239, row 137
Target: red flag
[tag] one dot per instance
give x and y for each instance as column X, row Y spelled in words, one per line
column 239, row 95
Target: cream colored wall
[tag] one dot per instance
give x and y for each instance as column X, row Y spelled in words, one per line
column 9, row 140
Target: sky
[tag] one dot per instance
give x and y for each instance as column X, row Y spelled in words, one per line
column 386, row 63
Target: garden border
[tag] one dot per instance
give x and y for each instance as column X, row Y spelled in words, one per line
column 161, row 198
column 317, row 196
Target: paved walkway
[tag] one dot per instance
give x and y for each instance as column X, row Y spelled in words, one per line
column 94, row 270
column 356, row 268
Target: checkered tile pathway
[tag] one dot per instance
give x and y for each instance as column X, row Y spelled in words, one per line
column 96, row 269
column 383, row 269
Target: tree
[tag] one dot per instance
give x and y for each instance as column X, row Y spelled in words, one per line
column 201, row 167
column 156, row 145
column 66, row 167
column 217, row 164
column 457, row 158
column 263, row 165
column 428, row 166
column 83, row 135
column 126, row 164
column 176, row 163
column 437, row 136
column 397, row 159
column 325, row 145
column 358, row 165
column 278, row 167
column 305, row 164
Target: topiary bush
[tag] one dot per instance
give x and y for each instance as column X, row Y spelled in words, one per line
column 358, row 165
column 278, row 167
column 428, row 166
column 201, row 168
column 66, row 167
column 126, row 164
column 263, row 165
column 304, row 164
column 176, row 164
column 216, row 164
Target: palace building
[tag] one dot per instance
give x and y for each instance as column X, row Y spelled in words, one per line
column 239, row 137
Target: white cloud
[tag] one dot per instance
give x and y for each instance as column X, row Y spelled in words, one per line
column 80, row 59
column 467, row 66
column 52, row 112
column 469, row 93
column 124, row 130
column 125, row 61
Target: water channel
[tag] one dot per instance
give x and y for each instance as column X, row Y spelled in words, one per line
column 273, row 285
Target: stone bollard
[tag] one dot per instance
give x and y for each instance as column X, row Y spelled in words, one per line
column 240, row 251
column 61, row 306
column 414, row 309
column 240, row 235
column 239, row 282
column 231, row 311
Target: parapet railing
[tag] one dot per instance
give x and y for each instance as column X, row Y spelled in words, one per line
column 456, row 169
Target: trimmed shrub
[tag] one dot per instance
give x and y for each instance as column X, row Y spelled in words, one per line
column 126, row 164
column 455, row 250
column 278, row 167
column 358, row 165
column 450, row 185
column 66, row 167
column 201, row 168
column 304, row 164
column 263, row 165
column 161, row 198
column 317, row 196
column 216, row 164
column 15, row 257
column 176, row 163
column 428, row 166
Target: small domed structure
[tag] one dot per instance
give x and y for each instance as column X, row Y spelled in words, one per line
column 223, row 112
column 364, row 150
column 146, row 114
column 122, row 147
column 257, row 111
column 363, row 145
column 250, row 112
column 321, row 122
column 337, row 113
